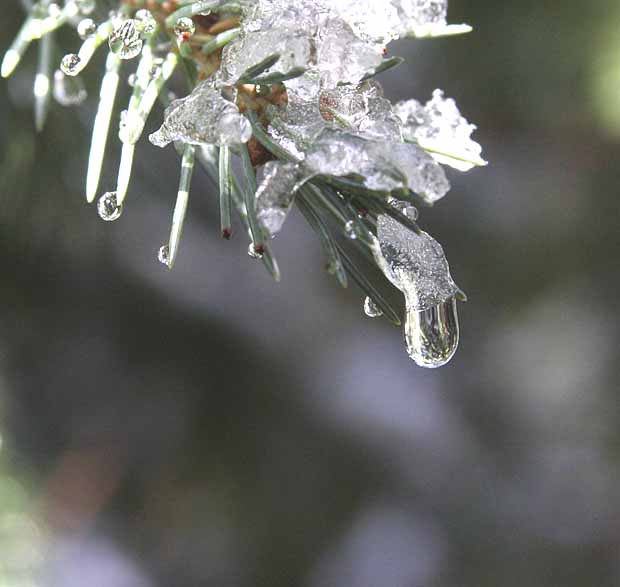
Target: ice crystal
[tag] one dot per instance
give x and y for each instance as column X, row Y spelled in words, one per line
column 274, row 196
column 382, row 165
column 203, row 117
column 439, row 127
column 414, row 263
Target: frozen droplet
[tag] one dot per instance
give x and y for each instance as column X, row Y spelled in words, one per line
column 184, row 28
column 432, row 335
column 109, row 208
column 146, row 22
column 86, row 6
column 350, row 230
column 276, row 193
column 86, row 28
column 371, row 309
column 404, row 208
column 125, row 41
column 68, row 91
column 163, row 255
column 70, row 64
column 253, row 252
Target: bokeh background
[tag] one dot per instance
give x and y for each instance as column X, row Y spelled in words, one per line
column 208, row 427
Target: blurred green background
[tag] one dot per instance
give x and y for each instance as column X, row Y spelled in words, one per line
column 208, row 427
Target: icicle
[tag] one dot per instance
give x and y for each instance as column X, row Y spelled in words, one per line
column 416, row 264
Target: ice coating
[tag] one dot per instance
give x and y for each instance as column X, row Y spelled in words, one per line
column 342, row 56
column 362, row 109
column 359, row 109
column 439, row 127
column 414, row 263
column 417, row 266
column 294, row 47
column 274, row 196
column 296, row 125
column 382, row 165
column 203, row 117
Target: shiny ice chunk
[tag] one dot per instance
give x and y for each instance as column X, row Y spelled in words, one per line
column 363, row 109
column 296, row 125
column 342, row 56
column 439, row 128
column 414, row 263
column 382, row 165
column 203, row 117
column 275, row 194
column 295, row 47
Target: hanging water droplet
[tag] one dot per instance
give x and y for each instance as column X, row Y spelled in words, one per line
column 146, row 22
column 108, row 207
column 86, row 28
column 131, row 80
column 432, row 335
column 163, row 255
column 70, row 64
column 184, row 29
column 349, row 229
column 254, row 253
column 125, row 41
column 371, row 309
column 68, row 91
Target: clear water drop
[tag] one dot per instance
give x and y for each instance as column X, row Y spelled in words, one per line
column 146, row 22
column 253, row 253
column 350, row 231
column 86, row 28
column 131, row 80
column 371, row 309
column 432, row 335
column 125, row 41
column 163, row 255
column 68, row 91
column 70, row 64
column 108, row 207
column 184, row 29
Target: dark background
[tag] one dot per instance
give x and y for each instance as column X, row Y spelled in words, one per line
column 208, row 427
